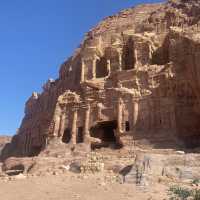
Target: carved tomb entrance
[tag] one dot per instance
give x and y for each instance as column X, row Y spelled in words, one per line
column 105, row 131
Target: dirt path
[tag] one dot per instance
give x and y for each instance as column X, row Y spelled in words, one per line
column 73, row 188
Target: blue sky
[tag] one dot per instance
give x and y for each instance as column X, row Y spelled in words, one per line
column 36, row 36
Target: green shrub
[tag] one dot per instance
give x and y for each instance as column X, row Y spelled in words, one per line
column 179, row 193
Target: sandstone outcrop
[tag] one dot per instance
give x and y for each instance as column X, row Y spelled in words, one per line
column 136, row 75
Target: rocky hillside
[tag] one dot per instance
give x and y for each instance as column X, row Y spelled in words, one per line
column 135, row 75
column 3, row 141
column 125, row 108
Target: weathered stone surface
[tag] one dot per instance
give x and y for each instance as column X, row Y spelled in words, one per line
column 21, row 164
column 135, row 75
column 4, row 140
column 75, row 167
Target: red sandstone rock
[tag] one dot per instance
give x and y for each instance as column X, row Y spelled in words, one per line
column 135, row 75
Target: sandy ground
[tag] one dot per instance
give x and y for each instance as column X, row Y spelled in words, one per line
column 73, row 187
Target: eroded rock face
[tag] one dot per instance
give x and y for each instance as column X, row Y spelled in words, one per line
column 135, row 75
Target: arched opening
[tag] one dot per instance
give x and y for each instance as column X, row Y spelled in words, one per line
column 67, row 136
column 101, row 68
column 128, row 55
column 105, row 131
column 79, row 137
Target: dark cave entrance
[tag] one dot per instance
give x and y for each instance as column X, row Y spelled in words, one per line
column 79, row 137
column 105, row 131
column 67, row 136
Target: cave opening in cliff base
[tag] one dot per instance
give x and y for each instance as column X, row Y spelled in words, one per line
column 67, row 136
column 105, row 131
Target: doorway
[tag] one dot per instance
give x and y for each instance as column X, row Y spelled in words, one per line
column 105, row 131
column 67, row 136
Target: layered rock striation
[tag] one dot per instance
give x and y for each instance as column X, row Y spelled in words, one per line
column 135, row 75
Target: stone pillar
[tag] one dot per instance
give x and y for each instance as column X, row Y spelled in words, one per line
column 82, row 70
column 62, row 125
column 109, row 67
column 57, row 119
column 87, row 123
column 136, row 57
column 135, row 111
column 119, row 115
column 150, row 51
column 94, row 63
column 120, row 60
column 99, row 111
column 74, row 126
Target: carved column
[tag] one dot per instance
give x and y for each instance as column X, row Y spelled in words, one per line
column 99, row 111
column 136, row 57
column 74, row 126
column 57, row 119
column 94, row 63
column 82, row 70
column 109, row 67
column 150, row 51
column 120, row 59
column 135, row 111
column 119, row 115
column 62, row 125
column 87, row 123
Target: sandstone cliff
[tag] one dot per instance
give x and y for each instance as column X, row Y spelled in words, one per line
column 135, row 75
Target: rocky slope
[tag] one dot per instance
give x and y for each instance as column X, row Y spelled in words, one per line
column 3, row 141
